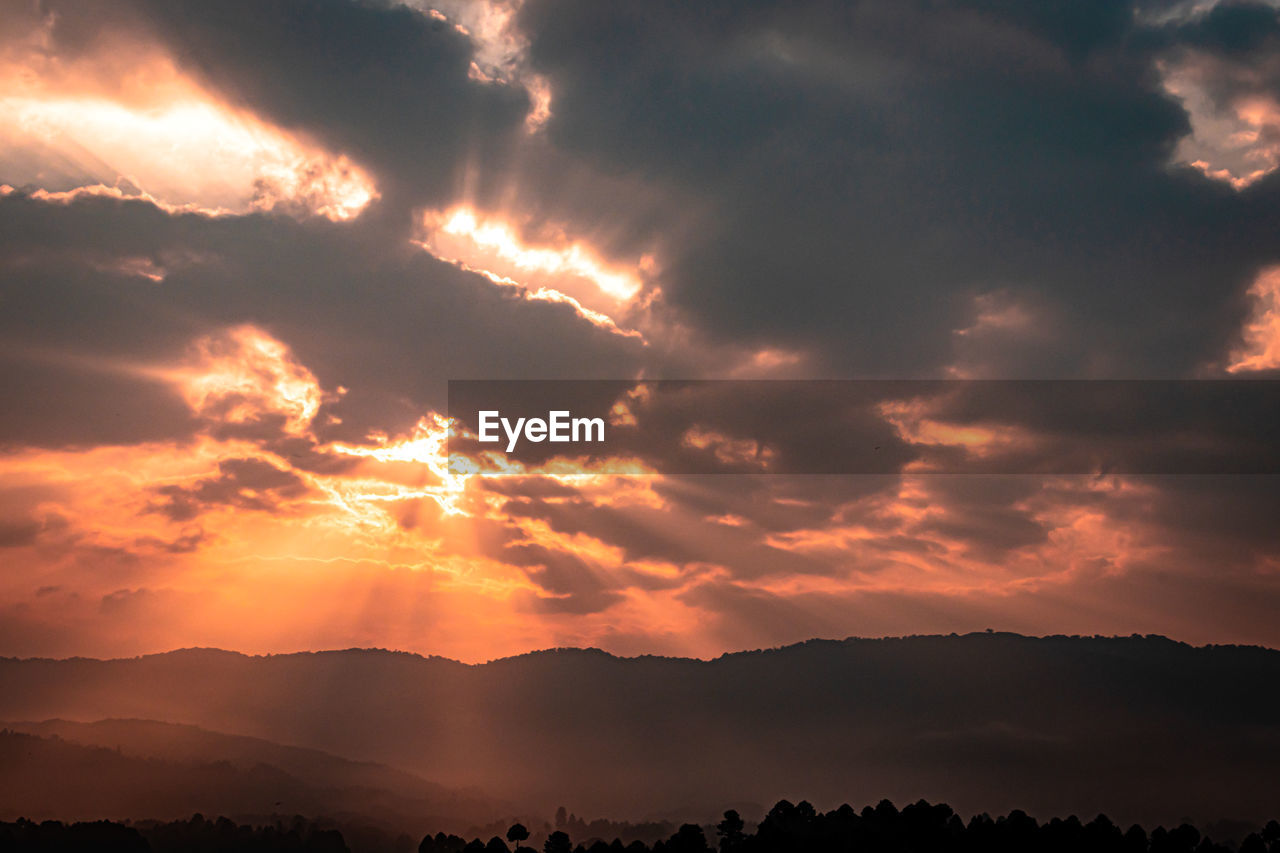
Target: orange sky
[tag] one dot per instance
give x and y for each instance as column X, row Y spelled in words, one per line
column 262, row 529
column 221, row 541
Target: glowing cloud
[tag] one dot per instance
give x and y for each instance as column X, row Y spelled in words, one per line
column 1234, row 143
column 463, row 234
column 547, row 294
column 540, row 93
column 192, row 152
column 123, row 115
column 501, row 49
column 1261, row 350
column 244, row 374
column 915, row 424
column 729, row 450
column 426, row 446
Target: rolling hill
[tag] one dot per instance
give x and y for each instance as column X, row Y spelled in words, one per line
column 1142, row 728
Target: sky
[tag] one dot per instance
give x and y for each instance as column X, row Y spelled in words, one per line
column 245, row 245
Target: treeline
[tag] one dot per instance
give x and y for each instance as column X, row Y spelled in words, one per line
column 788, row 828
column 917, row 828
column 578, row 828
column 197, row 835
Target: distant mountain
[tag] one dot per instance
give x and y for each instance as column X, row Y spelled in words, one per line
column 142, row 769
column 182, row 743
column 191, row 744
column 1142, row 728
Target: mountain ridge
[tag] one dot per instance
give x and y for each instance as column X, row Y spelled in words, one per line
column 594, row 650
column 1143, row 728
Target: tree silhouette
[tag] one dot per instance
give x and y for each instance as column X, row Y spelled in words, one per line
column 442, row 844
column 558, row 842
column 517, row 833
column 730, row 831
column 920, row 827
column 689, row 838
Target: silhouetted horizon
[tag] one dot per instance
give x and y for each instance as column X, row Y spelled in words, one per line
column 1141, row 727
column 918, row 827
column 451, row 411
column 552, row 650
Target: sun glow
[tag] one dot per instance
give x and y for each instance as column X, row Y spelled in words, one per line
column 192, row 152
column 547, row 294
column 463, row 234
column 427, row 445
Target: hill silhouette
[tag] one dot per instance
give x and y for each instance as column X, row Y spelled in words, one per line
column 50, row 777
column 1141, row 728
column 191, row 744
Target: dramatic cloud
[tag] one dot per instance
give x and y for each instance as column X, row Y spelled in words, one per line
column 244, row 246
column 909, row 170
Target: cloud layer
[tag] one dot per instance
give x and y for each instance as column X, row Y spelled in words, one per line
column 243, row 247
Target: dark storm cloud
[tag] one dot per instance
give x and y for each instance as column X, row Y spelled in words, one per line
column 774, row 503
column 78, row 405
column 17, row 533
column 377, row 81
column 359, row 307
column 134, row 602
column 573, row 586
column 1226, row 523
column 863, row 171
column 251, row 484
column 1234, row 52
column 642, row 533
column 883, row 427
column 797, row 427
column 186, row 542
column 871, row 168
column 1115, row 426
column 988, row 516
column 1198, row 529
column 1245, row 30
column 722, row 521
